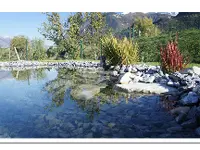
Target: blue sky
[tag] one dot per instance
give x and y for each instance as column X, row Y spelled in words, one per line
column 20, row 23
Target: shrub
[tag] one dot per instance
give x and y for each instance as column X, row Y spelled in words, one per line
column 120, row 51
column 171, row 58
column 188, row 43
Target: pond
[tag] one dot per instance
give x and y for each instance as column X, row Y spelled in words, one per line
column 39, row 104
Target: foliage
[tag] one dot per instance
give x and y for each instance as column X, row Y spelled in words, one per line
column 67, row 35
column 145, row 27
column 171, row 58
column 4, row 54
column 120, row 51
column 189, row 45
column 38, row 49
column 20, row 43
column 57, row 31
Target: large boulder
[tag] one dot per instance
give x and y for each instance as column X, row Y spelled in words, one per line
column 86, row 91
column 126, row 78
column 144, row 88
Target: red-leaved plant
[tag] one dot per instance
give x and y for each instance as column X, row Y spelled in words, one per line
column 171, row 58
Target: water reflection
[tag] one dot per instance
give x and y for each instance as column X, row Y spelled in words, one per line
column 69, row 83
column 24, row 75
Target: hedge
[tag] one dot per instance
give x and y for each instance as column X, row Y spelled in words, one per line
column 188, row 43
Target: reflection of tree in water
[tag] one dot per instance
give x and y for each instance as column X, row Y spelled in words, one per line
column 28, row 74
column 68, row 80
column 39, row 74
column 21, row 75
column 58, row 86
column 71, row 79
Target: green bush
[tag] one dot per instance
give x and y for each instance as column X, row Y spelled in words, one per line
column 120, row 51
column 189, row 44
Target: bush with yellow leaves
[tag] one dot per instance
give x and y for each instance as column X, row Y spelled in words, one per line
column 120, row 52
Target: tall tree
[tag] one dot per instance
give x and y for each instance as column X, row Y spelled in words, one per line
column 38, row 49
column 145, row 27
column 19, row 42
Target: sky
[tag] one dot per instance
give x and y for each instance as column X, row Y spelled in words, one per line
column 19, row 23
column 25, row 23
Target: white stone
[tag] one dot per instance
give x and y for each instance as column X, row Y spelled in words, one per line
column 144, row 88
column 126, row 78
column 196, row 70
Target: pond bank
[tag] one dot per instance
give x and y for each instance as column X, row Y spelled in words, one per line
column 40, row 63
column 180, row 88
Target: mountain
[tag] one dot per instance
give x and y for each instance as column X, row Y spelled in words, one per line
column 5, row 42
column 119, row 22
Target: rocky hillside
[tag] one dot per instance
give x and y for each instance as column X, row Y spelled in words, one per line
column 4, row 42
column 119, row 22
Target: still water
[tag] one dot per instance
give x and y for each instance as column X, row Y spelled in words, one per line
column 45, row 103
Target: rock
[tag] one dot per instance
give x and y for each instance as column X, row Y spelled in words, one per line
column 161, row 73
column 173, row 97
column 151, row 71
column 187, row 71
column 134, row 70
column 183, row 83
column 174, row 129
column 86, row 125
column 163, row 81
column 180, row 118
column 117, row 68
column 89, row 135
column 144, row 88
column 192, row 123
column 196, row 70
column 137, row 79
column 148, row 79
column 111, row 125
column 139, row 73
column 128, row 69
column 170, row 83
column 122, row 69
column 114, row 73
column 197, row 89
column 192, row 113
column 106, row 131
column 198, row 115
column 197, row 131
column 86, row 91
column 126, row 78
column 190, row 99
column 174, row 78
column 167, row 76
column 180, row 110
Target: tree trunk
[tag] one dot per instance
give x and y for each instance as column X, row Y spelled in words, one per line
column 17, row 53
